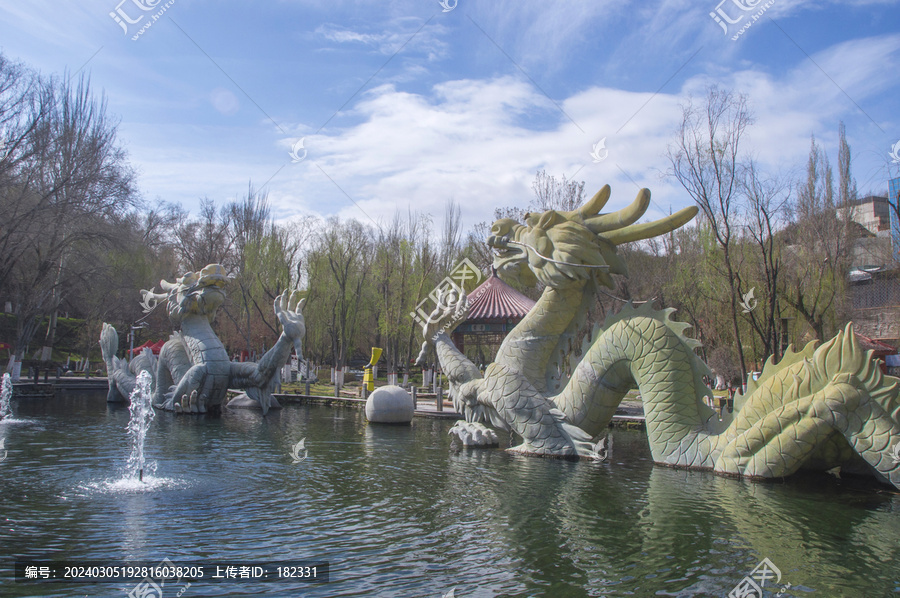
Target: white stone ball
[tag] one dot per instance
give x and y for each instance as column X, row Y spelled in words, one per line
column 389, row 405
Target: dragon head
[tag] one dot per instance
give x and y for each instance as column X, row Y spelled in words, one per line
column 560, row 248
column 200, row 292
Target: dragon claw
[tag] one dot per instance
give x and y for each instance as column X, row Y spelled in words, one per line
column 194, row 403
column 288, row 308
column 474, row 434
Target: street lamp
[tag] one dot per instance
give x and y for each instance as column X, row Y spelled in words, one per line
column 131, row 336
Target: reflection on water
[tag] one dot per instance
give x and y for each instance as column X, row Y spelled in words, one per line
column 398, row 513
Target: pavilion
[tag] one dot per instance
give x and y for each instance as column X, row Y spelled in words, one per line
column 494, row 310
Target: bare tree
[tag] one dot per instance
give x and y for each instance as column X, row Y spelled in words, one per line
column 556, row 194
column 846, row 183
column 820, row 239
column 208, row 239
column 766, row 210
column 450, row 239
column 63, row 176
column 253, row 235
column 705, row 160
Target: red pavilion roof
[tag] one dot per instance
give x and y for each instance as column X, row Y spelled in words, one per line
column 870, row 344
column 494, row 299
column 155, row 347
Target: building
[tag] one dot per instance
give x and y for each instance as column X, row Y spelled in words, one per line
column 872, row 212
column 874, row 277
column 874, row 295
column 880, row 351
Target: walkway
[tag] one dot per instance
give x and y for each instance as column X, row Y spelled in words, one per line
column 630, row 413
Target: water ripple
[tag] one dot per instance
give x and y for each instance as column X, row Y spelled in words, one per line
column 398, row 513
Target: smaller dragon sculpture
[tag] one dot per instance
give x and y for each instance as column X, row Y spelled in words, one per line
column 819, row 408
column 193, row 372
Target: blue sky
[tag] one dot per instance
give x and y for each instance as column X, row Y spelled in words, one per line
column 402, row 105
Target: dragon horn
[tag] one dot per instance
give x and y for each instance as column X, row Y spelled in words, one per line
column 166, row 285
column 595, row 204
column 636, row 232
column 623, row 217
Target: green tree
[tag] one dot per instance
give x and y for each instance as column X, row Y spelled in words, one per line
column 338, row 269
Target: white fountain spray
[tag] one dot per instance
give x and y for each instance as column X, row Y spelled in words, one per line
column 141, row 416
column 5, row 394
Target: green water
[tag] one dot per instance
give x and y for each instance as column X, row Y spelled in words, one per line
column 397, row 512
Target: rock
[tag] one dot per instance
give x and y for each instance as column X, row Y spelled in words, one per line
column 389, row 405
column 242, row 401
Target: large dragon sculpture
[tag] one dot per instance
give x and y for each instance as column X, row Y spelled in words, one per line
column 823, row 407
column 193, row 372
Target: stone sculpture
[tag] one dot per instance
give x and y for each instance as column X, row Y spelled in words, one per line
column 823, row 407
column 390, row 405
column 193, row 372
column 122, row 375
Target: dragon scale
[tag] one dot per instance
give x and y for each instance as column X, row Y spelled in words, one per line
column 628, row 354
column 543, row 334
column 821, row 408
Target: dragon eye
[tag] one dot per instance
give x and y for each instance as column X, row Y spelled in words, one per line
column 501, row 228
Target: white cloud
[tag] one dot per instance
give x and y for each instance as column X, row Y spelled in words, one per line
column 470, row 140
column 481, row 141
column 407, row 34
column 64, row 25
column 459, row 128
column 545, row 34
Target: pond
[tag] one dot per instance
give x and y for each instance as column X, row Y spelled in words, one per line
column 397, row 511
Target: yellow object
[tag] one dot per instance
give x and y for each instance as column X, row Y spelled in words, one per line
column 368, row 378
column 376, row 355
